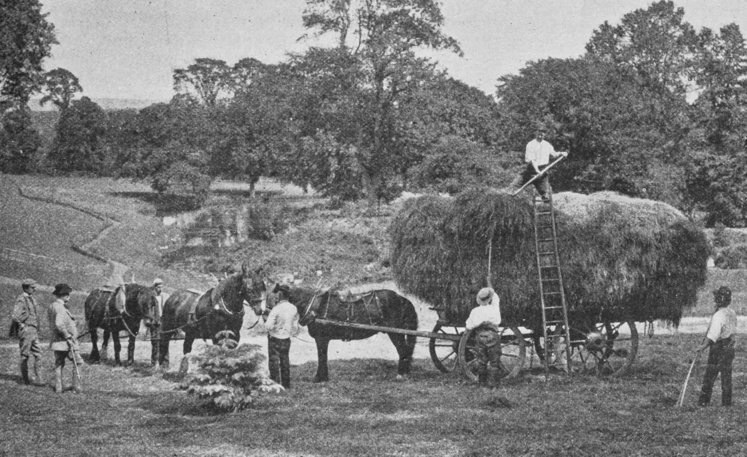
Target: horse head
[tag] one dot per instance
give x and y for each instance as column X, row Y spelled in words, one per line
column 146, row 304
column 253, row 288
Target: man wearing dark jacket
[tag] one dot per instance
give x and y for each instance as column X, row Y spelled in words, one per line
column 26, row 316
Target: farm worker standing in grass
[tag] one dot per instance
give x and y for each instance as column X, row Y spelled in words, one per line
column 537, row 156
column 157, row 313
column 720, row 340
column 281, row 323
column 64, row 340
column 485, row 320
column 26, row 315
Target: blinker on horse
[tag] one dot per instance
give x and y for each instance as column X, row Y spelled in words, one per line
column 218, row 310
column 116, row 310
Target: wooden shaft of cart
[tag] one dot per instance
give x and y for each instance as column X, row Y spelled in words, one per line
column 378, row 328
column 538, row 175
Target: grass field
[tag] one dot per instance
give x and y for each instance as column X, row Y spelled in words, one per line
column 364, row 411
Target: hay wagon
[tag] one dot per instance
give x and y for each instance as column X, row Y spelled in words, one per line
column 573, row 280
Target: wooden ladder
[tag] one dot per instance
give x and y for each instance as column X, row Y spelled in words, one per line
column 552, row 294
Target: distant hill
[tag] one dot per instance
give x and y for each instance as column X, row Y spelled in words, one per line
column 105, row 103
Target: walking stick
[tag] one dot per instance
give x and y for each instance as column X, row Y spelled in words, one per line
column 687, row 379
column 535, row 177
column 75, row 367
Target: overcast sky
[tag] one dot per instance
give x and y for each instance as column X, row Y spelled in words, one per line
column 129, row 48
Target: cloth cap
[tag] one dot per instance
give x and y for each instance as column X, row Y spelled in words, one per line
column 28, row 282
column 484, row 296
column 62, row 289
column 157, row 281
column 281, row 288
column 722, row 295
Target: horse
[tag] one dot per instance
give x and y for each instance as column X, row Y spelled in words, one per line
column 380, row 307
column 115, row 310
column 214, row 315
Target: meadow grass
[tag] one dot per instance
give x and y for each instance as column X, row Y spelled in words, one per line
column 364, row 411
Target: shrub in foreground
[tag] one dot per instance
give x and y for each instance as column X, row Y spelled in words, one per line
column 229, row 377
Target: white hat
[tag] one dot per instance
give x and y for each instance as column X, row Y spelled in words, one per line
column 484, row 296
column 157, row 281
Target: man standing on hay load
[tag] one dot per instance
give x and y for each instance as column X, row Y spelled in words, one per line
column 485, row 320
column 537, row 157
column 720, row 340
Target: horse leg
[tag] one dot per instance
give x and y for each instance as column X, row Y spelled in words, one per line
column 94, row 357
column 117, row 348
column 405, row 345
column 163, row 349
column 105, row 343
column 189, row 338
column 131, row 350
column 322, row 372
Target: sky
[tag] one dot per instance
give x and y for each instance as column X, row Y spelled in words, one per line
column 129, row 49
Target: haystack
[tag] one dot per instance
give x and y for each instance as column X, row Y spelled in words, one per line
column 621, row 258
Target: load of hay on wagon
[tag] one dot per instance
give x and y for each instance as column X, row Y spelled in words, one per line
column 622, row 258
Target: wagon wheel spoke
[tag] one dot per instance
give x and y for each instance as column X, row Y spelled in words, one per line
column 608, row 349
column 444, row 352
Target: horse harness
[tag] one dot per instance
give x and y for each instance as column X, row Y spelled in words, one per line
column 347, row 305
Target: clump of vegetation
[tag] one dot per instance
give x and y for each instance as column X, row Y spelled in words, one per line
column 732, row 257
column 229, row 377
column 265, row 220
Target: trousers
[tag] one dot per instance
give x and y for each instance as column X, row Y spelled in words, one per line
column 279, row 361
column 488, row 353
column 542, row 184
column 720, row 359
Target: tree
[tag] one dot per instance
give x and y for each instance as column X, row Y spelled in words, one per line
column 19, row 142
column 207, row 78
column 81, row 144
column 26, row 39
column 387, row 70
column 61, row 86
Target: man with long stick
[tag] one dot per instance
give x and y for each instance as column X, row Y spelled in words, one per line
column 537, row 157
column 64, row 341
column 720, row 340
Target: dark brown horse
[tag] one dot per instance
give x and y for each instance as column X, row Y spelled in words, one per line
column 382, row 307
column 115, row 310
column 217, row 310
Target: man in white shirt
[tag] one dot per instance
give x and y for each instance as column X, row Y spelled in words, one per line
column 281, row 324
column 157, row 313
column 537, row 156
column 720, row 340
column 485, row 320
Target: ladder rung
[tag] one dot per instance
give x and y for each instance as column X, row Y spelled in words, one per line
column 551, row 293
column 542, row 240
column 551, row 279
column 553, row 307
column 555, row 322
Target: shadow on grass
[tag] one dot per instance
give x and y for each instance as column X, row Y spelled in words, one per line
column 165, row 204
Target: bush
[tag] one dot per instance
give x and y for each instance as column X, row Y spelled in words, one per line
column 230, row 378
column 265, row 220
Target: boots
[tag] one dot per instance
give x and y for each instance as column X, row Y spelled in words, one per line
column 25, row 371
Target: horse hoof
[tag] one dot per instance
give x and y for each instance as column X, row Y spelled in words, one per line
column 401, row 377
column 318, row 380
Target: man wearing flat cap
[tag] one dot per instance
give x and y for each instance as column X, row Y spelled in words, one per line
column 281, row 324
column 64, row 340
column 26, row 317
column 720, row 339
column 485, row 320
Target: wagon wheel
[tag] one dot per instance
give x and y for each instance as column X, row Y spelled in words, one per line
column 513, row 352
column 606, row 349
column 444, row 353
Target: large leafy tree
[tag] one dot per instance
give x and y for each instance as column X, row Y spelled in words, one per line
column 60, row 86
column 372, row 71
column 26, row 39
column 19, row 142
column 81, row 143
column 206, row 79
